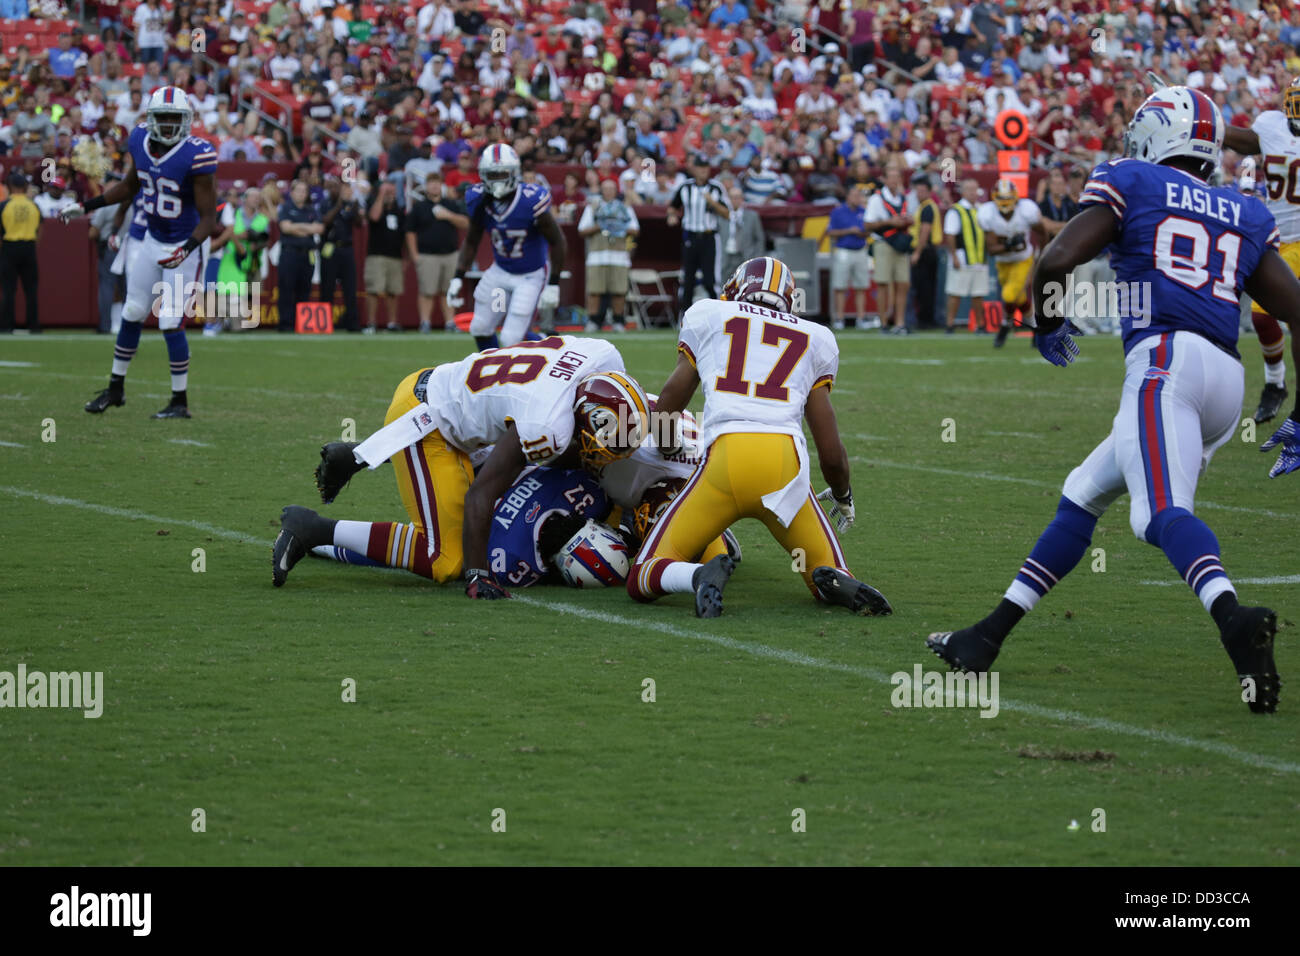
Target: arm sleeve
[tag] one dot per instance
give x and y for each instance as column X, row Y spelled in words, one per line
column 826, row 354
column 690, row 339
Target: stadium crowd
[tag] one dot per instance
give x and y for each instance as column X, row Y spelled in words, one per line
column 790, row 102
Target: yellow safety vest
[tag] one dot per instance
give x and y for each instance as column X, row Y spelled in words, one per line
column 972, row 236
column 20, row 219
column 936, row 224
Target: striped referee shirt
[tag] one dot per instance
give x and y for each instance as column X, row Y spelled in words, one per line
column 696, row 215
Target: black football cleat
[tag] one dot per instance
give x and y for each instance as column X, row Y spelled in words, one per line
column 966, row 650
column 105, row 400
column 840, row 587
column 172, row 411
column 1270, row 402
column 1001, row 339
column 301, row 529
column 1248, row 638
column 709, row 581
column 336, row 468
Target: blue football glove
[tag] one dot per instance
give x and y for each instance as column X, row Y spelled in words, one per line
column 1288, row 436
column 1058, row 346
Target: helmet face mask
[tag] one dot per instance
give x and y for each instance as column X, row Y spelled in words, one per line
column 1005, row 197
column 499, row 169
column 1291, row 106
column 168, row 117
column 611, row 419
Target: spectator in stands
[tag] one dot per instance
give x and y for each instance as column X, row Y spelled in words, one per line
column 64, row 57
column 610, row 226
column 822, row 185
column 384, row 249
column 850, row 264
column 742, row 234
column 927, row 239
column 1057, row 206
column 950, row 71
column 55, row 198
column 980, row 148
column 33, row 130
column 968, row 270
column 465, row 173
column 728, row 13
column 20, row 227
column 433, row 239
column 761, row 182
column 300, row 232
column 150, row 39
column 888, row 217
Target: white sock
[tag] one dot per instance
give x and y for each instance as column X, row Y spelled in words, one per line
column 677, row 577
column 352, row 534
column 1275, row 373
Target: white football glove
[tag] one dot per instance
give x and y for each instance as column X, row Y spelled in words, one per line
column 841, row 511
column 114, row 242
column 454, row 298
column 550, row 297
column 69, row 213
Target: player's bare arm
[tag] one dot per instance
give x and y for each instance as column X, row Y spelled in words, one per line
column 831, row 454
column 1243, row 141
column 122, row 191
column 554, row 236
column 678, row 389
column 473, row 236
column 496, row 475
column 1082, row 240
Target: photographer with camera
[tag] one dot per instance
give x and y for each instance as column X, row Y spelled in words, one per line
column 610, row 226
column 244, row 259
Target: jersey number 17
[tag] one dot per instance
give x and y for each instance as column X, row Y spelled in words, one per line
column 772, row 387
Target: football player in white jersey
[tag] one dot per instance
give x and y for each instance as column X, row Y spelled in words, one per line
column 561, row 401
column 1008, row 221
column 1275, row 138
column 175, row 174
column 763, row 371
column 526, row 245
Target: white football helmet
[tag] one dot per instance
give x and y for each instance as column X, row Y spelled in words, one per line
column 498, row 167
column 1176, row 121
column 168, row 116
column 595, row 557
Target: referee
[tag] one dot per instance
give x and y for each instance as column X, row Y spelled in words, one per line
column 698, row 203
column 20, row 224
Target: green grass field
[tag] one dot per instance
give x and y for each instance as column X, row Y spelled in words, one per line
column 224, row 694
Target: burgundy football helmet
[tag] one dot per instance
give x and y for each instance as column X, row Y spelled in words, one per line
column 763, row 281
column 654, row 502
column 612, row 418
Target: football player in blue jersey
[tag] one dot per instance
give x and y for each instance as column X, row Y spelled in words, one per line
column 174, row 174
column 518, row 220
column 544, row 529
column 1187, row 250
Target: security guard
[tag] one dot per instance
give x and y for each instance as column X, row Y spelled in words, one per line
column 300, row 235
column 968, row 270
column 927, row 239
column 20, row 224
column 340, row 214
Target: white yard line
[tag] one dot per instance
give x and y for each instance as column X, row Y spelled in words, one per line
column 11, row 444
column 189, row 441
column 764, row 651
column 1274, row 579
column 1035, row 483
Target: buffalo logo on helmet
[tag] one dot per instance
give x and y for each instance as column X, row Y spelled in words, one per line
column 763, row 280
column 612, row 418
column 595, row 557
